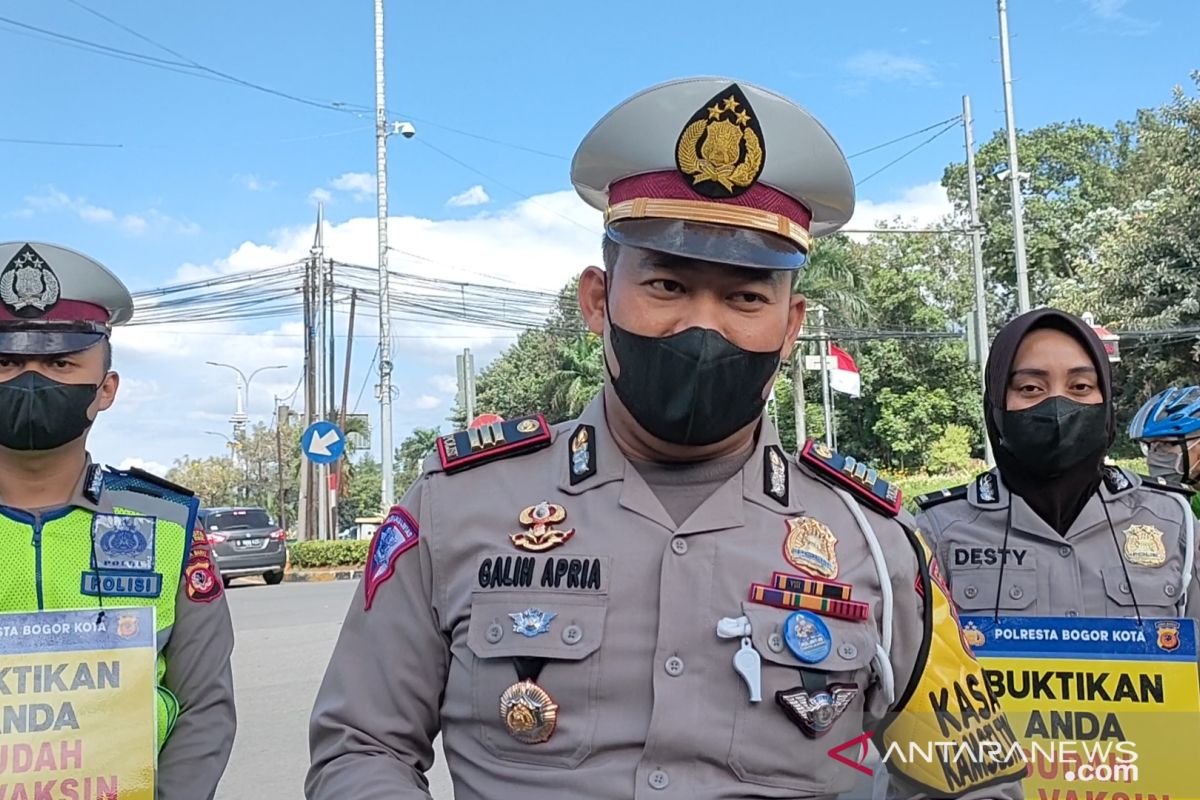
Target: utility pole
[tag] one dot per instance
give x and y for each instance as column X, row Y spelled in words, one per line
column 466, row 382
column 304, row 517
column 385, row 305
column 981, row 326
column 826, row 393
column 282, row 414
column 345, row 396
column 1014, row 170
column 798, row 394
column 322, row 470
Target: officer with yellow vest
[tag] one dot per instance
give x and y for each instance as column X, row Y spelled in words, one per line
column 57, row 308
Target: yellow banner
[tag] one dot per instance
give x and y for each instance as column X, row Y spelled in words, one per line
column 1105, row 709
column 77, row 705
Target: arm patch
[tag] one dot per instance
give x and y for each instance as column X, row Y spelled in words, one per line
column 475, row 446
column 931, row 499
column 398, row 533
column 846, row 472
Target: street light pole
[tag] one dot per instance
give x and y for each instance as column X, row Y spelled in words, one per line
column 243, row 395
column 1014, row 170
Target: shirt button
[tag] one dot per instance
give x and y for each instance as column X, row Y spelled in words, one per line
column 970, row 591
column 1170, row 589
column 847, row 650
column 1016, row 593
column 775, row 643
column 674, row 667
column 1064, row 551
column 658, row 779
column 495, row 633
column 679, row 546
column 1124, row 587
column 572, row 634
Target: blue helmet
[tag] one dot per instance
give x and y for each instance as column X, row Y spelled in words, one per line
column 1173, row 413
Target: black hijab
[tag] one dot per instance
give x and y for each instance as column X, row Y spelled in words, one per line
column 1057, row 499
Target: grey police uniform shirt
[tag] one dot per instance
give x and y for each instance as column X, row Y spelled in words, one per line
column 1079, row 574
column 649, row 703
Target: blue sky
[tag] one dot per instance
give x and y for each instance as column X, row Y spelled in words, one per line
column 213, row 177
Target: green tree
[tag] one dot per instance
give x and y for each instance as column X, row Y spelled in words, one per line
column 215, row 480
column 579, row 376
column 410, row 455
column 363, row 486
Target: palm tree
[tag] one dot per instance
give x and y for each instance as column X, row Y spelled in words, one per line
column 411, row 452
column 579, row 376
column 835, row 279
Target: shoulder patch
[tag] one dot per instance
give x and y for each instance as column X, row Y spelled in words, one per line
column 398, row 533
column 1165, row 485
column 475, row 446
column 931, row 499
column 582, row 454
column 848, row 473
column 987, row 489
column 138, row 480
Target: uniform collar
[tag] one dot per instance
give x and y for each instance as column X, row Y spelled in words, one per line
column 723, row 509
column 1117, row 483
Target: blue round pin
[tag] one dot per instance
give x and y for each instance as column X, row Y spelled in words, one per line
column 807, row 637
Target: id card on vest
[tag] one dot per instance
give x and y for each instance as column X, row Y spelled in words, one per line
column 77, row 704
column 1098, row 704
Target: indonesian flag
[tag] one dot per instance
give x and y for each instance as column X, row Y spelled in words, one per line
column 843, row 373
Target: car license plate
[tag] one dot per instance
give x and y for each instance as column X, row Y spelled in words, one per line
column 249, row 542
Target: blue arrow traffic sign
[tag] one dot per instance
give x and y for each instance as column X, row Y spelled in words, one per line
column 323, row 442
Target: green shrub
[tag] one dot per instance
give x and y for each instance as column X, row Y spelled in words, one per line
column 952, row 450
column 314, row 555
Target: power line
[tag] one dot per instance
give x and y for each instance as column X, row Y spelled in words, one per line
column 905, row 155
column 50, row 143
column 363, row 388
column 905, row 136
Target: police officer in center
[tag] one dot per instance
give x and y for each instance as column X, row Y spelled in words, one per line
column 57, row 308
column 655, row 600
column 1052, row 530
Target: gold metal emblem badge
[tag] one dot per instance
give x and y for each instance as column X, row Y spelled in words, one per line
column 529, row 713
column 721, row 148
column 823, row 451
column 527, row 426
column 811, row 546
column 541, row 536
column 1144, row 546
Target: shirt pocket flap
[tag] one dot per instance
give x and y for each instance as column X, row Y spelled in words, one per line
column 974, row 588
column 852, row 644
column 558, row 625
column 1159, row 586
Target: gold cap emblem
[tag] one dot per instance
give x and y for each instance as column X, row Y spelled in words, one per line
column 722, row 148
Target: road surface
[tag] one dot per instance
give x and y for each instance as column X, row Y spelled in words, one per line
column 285, row 634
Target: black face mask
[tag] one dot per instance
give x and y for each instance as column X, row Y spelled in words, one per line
column 37, row 413
column 1056, row 435
column 691, row 388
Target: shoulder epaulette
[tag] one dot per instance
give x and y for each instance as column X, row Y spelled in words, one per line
column 1166, row 485
column 1115, row 479
column 846, row 472
column 475, row 446
column 931, row 499
column 142, row 482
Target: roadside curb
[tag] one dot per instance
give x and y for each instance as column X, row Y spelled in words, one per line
column 321, row 575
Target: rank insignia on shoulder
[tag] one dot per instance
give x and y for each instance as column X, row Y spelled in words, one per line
column 931, row 499
column 474, row 446
column 987, row 488
column 398, row 533
column 1166, row 485
column 848, row 473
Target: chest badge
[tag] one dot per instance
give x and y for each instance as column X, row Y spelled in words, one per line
column 1168, row 635
column 1144, row 546
column 532, row 622
column 123, row 542
column 811, row 546
column 529, row 714
column 815, row 712
column 542, row 535
column 807, row 636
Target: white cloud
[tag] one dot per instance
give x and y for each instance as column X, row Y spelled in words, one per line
column 920, row 206
column 153, row 467
column 320, row 195
column 56, row 201
column 880, row 66
column 1112, row 13
column 169, row 397
column 359, row 184
column 254, row 183
column 475, row 196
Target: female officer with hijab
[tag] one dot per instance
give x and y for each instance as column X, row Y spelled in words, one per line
column 1052, row 531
